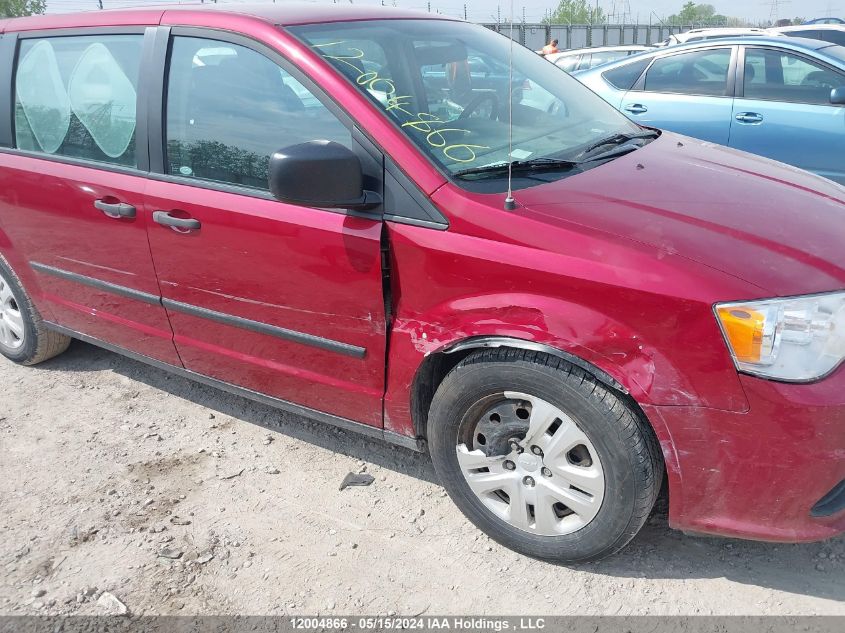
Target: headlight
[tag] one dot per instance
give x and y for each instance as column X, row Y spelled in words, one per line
column 798, row 339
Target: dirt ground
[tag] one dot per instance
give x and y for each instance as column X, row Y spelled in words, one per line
column 123, row 485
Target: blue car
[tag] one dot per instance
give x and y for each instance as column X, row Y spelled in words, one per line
column 826, row 21
column 783, row 98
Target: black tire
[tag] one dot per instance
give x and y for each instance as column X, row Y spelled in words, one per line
column 626, row 445
column 38, row 343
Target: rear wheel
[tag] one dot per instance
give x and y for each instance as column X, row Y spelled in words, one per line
column 23, row 337
column 542, row 457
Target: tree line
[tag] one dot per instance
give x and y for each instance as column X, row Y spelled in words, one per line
column 691, row 13
column 19, row 8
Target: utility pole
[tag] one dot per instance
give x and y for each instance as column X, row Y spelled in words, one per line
column 774, row 9
column 465, row 12
column 523, row 30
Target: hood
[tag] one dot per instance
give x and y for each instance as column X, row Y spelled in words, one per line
column 774, row 226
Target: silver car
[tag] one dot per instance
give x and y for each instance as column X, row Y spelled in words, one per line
column 583, row 58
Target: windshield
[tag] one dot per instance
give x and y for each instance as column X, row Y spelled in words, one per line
column 446, row 85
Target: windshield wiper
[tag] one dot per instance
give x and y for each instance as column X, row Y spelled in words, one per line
column 622, row 142
column 616, row 152
column 619, row 139
column 534, row 164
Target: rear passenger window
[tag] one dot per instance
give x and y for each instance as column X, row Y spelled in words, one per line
column 837, row 37
column 780, row 76
column 605, row 57
column 624, row 77
column 828, row 35
column 584, row 64
column 568, row 63
column 229, row 108
column 693, row 73
column 76, row 97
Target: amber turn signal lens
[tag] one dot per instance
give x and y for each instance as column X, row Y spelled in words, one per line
column 744, row 330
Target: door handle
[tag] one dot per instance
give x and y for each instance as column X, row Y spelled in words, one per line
column 116, row 209
column 635, row 108
column 749, row 117
column 185, row 224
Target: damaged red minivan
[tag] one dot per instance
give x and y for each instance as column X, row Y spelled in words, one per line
column 305, row 205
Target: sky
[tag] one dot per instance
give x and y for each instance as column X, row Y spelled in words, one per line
column 485, row 10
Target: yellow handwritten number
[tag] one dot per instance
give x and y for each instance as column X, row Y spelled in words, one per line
column 424, row 122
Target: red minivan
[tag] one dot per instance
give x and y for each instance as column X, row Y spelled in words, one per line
column 306, row 205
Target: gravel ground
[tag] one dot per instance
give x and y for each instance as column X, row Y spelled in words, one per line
column 122, row 486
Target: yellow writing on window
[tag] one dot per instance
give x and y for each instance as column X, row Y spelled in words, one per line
column 436, row 134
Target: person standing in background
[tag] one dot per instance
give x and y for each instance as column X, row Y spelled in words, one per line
column 551, row 48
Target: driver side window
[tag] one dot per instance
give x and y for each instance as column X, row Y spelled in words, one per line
column 773, row 75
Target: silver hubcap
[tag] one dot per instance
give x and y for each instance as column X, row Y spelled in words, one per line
column 11, row 320
column 548, row 481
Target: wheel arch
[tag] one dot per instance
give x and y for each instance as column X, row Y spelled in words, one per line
column 5, row 242
column 438, row 364
column 14, row 260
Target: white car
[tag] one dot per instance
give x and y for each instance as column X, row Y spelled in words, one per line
column 834, row 33
column 696, row 35
column 583, row 58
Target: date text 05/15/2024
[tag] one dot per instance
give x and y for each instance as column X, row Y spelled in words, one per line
column 453, row 623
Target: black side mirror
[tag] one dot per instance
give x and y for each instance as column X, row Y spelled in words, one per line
column 320, row 174
column 837, row 96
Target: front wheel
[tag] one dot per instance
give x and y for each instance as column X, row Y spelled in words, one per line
column 542, row 457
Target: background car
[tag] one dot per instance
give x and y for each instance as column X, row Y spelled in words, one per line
column 584, row 58
column 826, row 21
column 697, row 35
column 783, row 98
column 834, row 33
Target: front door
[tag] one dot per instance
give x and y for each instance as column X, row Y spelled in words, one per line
column 784, row 112
column 276, row 298
column 73, row 196
column 689, row 93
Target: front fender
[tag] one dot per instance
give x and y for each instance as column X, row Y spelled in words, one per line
column 641, row 316
column 584, row 333
column 629, row 358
